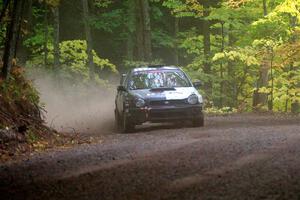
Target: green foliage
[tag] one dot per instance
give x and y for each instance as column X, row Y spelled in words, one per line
column 103, row 21
column 2, row 36
column 31, row 136
column 73, row 59
column 17, row 89
column 246, row 41
column 53, row 3
column 193, row 45
column 184, row 8
column 220, row 111
column 242, row 55
column 102, row 3
column 128, row 64
column 250, row 41
column 162, row 39
column 36, row 41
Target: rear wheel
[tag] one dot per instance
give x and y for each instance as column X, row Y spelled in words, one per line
column 198, row 122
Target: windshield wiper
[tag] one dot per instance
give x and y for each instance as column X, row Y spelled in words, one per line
column 162, row 89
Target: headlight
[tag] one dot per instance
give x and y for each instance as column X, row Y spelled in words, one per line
column 140, row 103
column 193, row 99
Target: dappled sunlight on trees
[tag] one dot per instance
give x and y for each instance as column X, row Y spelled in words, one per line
column 245, row 51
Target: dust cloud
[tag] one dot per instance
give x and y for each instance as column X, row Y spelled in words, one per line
column 87, row 109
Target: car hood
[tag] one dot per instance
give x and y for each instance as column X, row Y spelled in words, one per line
column 178, row 93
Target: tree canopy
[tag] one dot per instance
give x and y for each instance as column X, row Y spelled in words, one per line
column 246, row 52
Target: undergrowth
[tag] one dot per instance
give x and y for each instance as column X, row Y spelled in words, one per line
column 22, row 128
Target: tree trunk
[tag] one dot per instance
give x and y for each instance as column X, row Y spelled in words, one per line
column 221, row 66
column 261, row 98
column 29, row 15
column 147, row 30
column 131, row 8
column 263, row 82
column 264, row 69
column 207, row 56
column 295, row 105
column 271, row 99
column 176, row 30
column 19, row 25
column 46, row 33
column 11, row 39
column 139, row 31
column 23, row 51
column 143, row 31
column 56, row 39
column 265, row 7
column 88, row 38
column 290, row 86
column 129, row 47
column 231, row 83
column 3, row 11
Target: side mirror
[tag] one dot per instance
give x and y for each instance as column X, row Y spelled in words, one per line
column 197, row 84
column 122, row 78
column 121, row 88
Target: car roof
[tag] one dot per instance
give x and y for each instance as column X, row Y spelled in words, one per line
column 155, row 67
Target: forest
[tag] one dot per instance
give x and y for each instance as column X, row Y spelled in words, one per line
column 71, row 129
column 246, row 52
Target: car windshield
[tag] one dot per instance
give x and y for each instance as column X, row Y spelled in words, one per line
column 158, row 79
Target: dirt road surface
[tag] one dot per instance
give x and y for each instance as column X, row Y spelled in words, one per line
column 232, row 157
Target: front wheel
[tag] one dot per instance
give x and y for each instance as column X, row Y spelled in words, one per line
column 117, row 121
column 126, row 125
column 198, row 122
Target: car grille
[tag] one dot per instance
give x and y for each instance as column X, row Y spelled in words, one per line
column 168, row 115
column 168, row 103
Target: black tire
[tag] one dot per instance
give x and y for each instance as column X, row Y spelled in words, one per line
column 117, row 121
column 198, row 122
column 126, row 125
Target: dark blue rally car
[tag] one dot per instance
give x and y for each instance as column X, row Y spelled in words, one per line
column 157, row 94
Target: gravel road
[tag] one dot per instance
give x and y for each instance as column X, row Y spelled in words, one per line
column 232, row 157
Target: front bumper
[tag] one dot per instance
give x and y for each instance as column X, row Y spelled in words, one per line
column 164, row 113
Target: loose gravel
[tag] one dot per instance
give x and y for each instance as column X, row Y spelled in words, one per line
column 233, row 157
